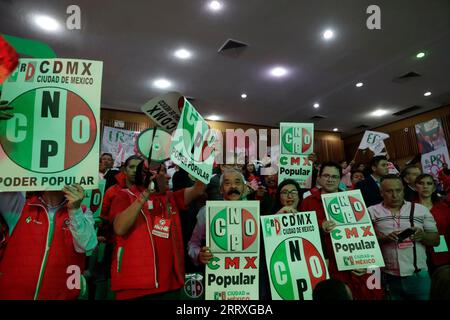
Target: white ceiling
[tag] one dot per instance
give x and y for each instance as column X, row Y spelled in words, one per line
column 136, row 41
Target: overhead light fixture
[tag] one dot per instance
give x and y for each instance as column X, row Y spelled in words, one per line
column 183, row 54
column 420, row 55
column 335, row 129
column 215, row 5
column 162, row 83
column 213, row 118
column 359, row 84
column 427, row 94
column 379, row 113
column 278, row 72
column 316, row 105
column 328, row 34
column 47, row 23
column 244, row 96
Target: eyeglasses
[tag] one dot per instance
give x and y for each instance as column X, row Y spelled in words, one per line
column 287, row 193
column 330, row 177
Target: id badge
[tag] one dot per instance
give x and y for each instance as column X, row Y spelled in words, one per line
column 406, row 244
column 161, row 228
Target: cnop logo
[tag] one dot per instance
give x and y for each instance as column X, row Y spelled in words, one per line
column 193, row 287
column 289, row 257
column 46, row 137
column 272, row 224
column 296, row 140
column 346, row 209
column 234, row 229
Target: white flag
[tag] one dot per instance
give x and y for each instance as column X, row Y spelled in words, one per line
column 374, row 141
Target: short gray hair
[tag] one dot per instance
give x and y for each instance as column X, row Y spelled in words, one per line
column 228, row 171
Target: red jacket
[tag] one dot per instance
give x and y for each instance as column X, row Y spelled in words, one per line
column 441, row 214
column 111, row 193
column 357, row 284
column 143, row 263
column 25, row 257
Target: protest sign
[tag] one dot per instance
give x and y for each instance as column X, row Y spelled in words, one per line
column 296, row 138
column 192, row 145
column 298, row 168
column 433, row 161
column 120, row 143
column 374, row 141
column 294, row 256
column 165, row 110
column 159, row 142
column 93, row 199
column 354, row 241
column 430, row 136
column 53, row 138
column 232, row 234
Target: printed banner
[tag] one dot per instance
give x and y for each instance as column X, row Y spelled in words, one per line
column 354, row 241
column 296, row 138
column 433, row 161
column 374, row 141
column 93, row 199
column 232, row 234
column 165, row 110
column 430, row 136
column 53, row 138
column 192, row 146
column 298, row 168
column 120, row 143
column 294, row 257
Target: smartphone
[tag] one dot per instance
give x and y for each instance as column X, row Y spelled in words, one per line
column 405, row 234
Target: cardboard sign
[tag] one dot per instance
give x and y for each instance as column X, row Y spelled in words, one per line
column 294, row 256
column 430, row 136
column 354, row 241
column 53, row 138
column 374, row 141
column 160, row 145
column 192, row 146
column 433, row 161
column 120, row 143
column 298, row 168
column 165, row 110
column 296, row 138
column 93, row 199
column 232, row 234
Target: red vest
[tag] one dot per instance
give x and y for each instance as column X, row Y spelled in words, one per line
column 25, row 256
column 134, row 263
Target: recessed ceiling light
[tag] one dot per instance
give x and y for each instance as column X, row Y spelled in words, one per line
column 328, row 34
column 213, row 118
column 379, row 113
column 420, row 55
column 162, row 83
column 244, row 96
column 278, row 72
column 359, row 84
column 47, row 23
column 215, row 5
column 427, row 94
column 316, row 105
column 183, row 54
column 335, row 129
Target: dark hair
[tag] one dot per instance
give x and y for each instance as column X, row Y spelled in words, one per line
column 356, row 171
column 391, row 177
column 133, row 157
column 247, row 173
column 434, row 195
column 278, row 204
column 406, row 169
column 375, row 160
column 106, row 154
column 330, row 164
column 440, row 289
column 342, row 161
column 143, row 177
column 331, row 290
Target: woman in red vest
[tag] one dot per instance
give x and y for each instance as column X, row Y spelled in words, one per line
column 148, row 259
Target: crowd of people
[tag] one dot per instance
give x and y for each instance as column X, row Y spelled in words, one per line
column 152, row 229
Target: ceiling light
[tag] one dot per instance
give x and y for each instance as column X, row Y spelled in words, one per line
column 183, row 54
column 328, row 34
column 215, row 5
column 359, row 84
column 379, row 113
column 244, row 96
column 278, row 72
column 162, row 83
column 427, row 94
column 335, row 129
column 316, row 105
column 47, row 23
column 213, row 118
column 420, row 55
